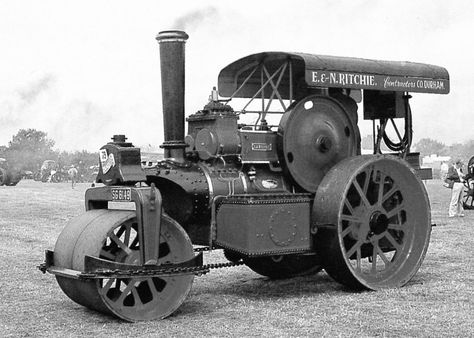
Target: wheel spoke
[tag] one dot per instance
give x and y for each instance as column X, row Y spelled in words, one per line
column 136, row 297
column 349, row 206
column 361, row 193
column 107, row 286
column 121, row 244
column 367, row 181
column 125, row 292
column 395, row 211
column 393, row 241
column 355, row 247
column 382, row 255
column 121, row 230
column 126, row 239
column 134, row 245
column 347, row 230
column 154, row 291
column 152, row 287
column 381, row 186
column 359, row 259
column 350, row 218
column 107, row 254
column 374, row 261
column 395, row 226
column 389, row 194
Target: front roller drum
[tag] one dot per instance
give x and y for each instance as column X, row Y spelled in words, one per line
column 112, row 235
column 374, row 223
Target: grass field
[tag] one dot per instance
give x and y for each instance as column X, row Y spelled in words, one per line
column 437, row 302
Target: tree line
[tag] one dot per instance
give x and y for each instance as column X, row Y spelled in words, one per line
column 29, row 148
column 464, row 151
column 428, row 146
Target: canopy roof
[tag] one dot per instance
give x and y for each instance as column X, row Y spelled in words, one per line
column 301, row 71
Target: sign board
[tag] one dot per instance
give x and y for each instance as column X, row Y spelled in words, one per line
column 318, row 78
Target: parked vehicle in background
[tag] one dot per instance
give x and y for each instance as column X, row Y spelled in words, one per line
column 8, row 176
column 47, row 170
column 28, row 175
column 468, row 199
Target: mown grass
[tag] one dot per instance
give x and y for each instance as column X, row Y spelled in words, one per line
column 437, row 302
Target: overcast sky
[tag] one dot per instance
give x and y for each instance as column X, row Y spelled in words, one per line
column 85, row 70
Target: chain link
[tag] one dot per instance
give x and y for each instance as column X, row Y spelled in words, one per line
column 197, row 270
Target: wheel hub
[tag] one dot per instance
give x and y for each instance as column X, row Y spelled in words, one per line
column 371, row 227
column 378, row 223
column 324, row 144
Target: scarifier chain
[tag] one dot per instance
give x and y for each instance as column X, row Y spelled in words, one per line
column 268, row 199
column 197, row 270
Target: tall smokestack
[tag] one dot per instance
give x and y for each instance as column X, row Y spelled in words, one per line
column 172, row 88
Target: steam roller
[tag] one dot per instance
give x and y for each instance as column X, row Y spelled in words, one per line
column 282, row 188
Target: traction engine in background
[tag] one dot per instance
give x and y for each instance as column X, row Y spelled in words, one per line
column 285, row 199
column 9, row 176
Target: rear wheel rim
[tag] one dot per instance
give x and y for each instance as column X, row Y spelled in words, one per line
column 468, row 199
column 380, row 226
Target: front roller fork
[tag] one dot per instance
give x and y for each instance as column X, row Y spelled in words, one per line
column 147, row 202
column 137, row 265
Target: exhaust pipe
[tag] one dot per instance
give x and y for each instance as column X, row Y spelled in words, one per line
column 172, row 88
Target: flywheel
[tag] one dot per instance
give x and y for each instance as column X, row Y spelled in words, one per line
column 112, row 235
column 374, row 223
column 315, row 134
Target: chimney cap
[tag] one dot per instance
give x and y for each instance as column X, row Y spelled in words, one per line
column 172, row 36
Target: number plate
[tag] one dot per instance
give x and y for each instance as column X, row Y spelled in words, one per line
column 122, row 194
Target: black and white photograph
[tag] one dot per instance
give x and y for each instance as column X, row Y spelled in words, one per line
column 236, row 169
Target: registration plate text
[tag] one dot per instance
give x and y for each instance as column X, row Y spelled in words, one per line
column 121, row 194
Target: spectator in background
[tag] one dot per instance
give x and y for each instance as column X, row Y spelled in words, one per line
column 456, row 175
column 72, row 173
column 443, row 170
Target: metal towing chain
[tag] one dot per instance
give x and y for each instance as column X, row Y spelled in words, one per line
column 164, row 271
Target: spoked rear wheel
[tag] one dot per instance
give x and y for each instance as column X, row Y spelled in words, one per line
column 374, row 225
column 112, row 235
column 468, row 199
